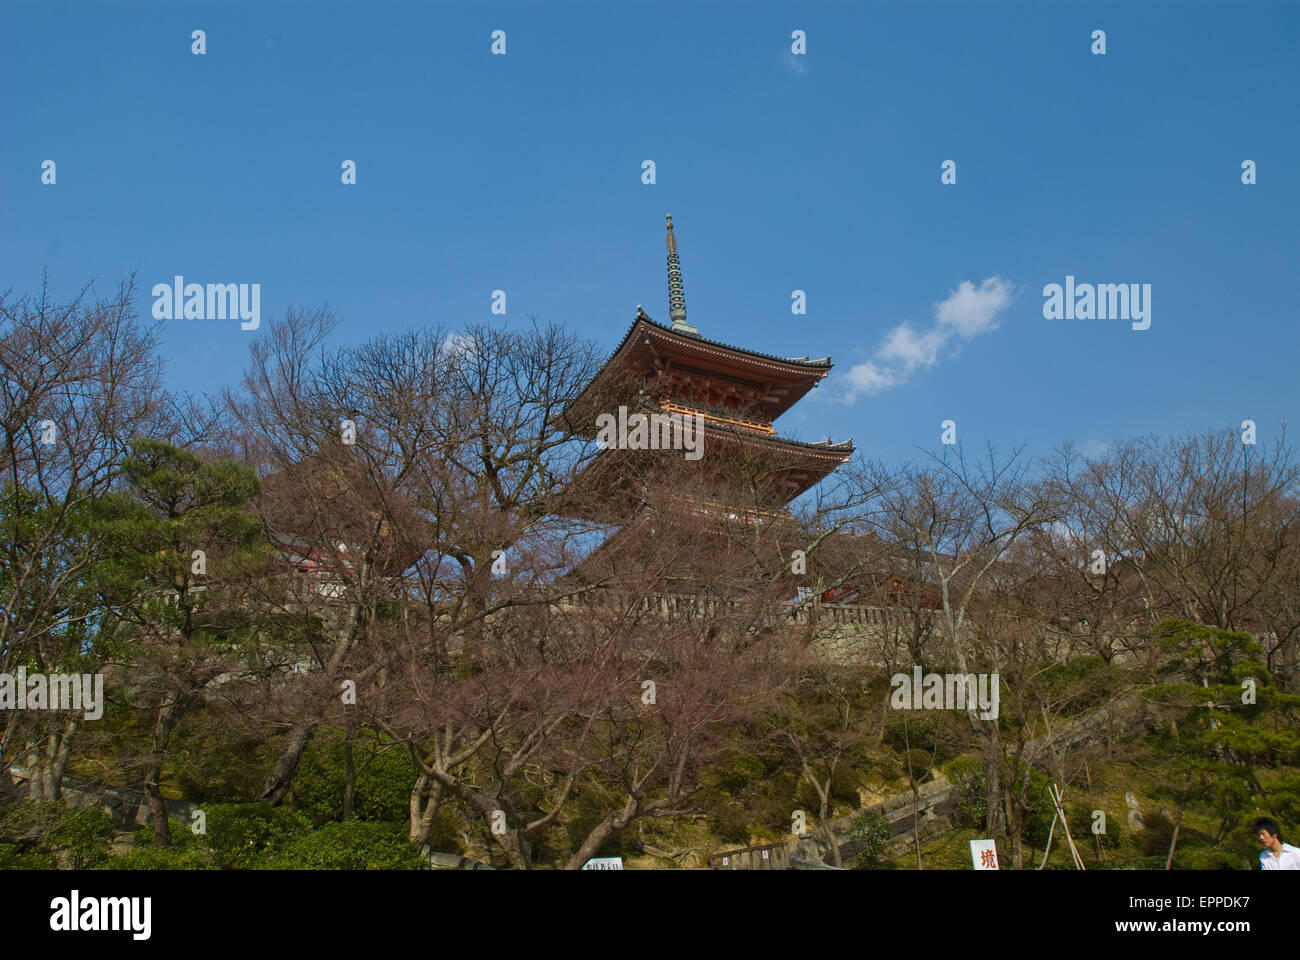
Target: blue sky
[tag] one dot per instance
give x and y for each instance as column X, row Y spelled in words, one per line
column 819, row 172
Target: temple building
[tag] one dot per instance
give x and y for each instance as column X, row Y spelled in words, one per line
column 746, row 472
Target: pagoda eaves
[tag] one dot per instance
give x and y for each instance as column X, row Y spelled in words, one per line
column 607, row 480
column 736, row 378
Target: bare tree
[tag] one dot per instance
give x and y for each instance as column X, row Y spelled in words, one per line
column 963, row 520
column 77, row 382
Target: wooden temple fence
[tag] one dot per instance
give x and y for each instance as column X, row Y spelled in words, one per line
column 771, row 856
column 830, row 614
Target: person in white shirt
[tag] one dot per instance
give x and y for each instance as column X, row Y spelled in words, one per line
column 1276, row 855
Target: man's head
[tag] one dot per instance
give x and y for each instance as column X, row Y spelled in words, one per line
column 1267, row 831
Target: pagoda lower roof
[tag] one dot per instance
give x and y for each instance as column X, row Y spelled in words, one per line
column 648, row 344
column 809, row 463
column 839, row 451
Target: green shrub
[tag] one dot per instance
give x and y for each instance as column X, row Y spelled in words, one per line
column 83, row 838
column 920, row 762
column 1080, row 815
column 806, row 797
column 442, row 831
column 1193, row 857
column 917, row 729
column 244, row 836
column 143, row 836
column 888, row 768
column 160, row 858
column 969, row 785
column 1041, row 813
column 845, row 781
column 871, row 831
column 30, row 859
column 772, row 801
column 845, row 784
column 355, row 845
column 1157, row 835
column 215, row 763
column 727, row 821
column 385, row 778
column 74, row 839
column 257, row 836
column 738, row 772
column 1283, row 802
column 1146, row 863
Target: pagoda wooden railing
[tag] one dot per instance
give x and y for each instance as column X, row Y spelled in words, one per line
column 756, row 425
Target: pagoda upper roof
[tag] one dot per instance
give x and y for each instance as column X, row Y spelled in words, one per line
column 647, row 341
column 823, row 364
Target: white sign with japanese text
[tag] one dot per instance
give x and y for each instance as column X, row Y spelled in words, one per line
column 984, row 854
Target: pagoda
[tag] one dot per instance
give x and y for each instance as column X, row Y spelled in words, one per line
column 748, row 473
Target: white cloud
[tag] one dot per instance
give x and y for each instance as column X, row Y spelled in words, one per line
column 906, row 349
column 795, row 63
column 868, row 378
column 967, row 312
column 1064, row 532
column 457, row 344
